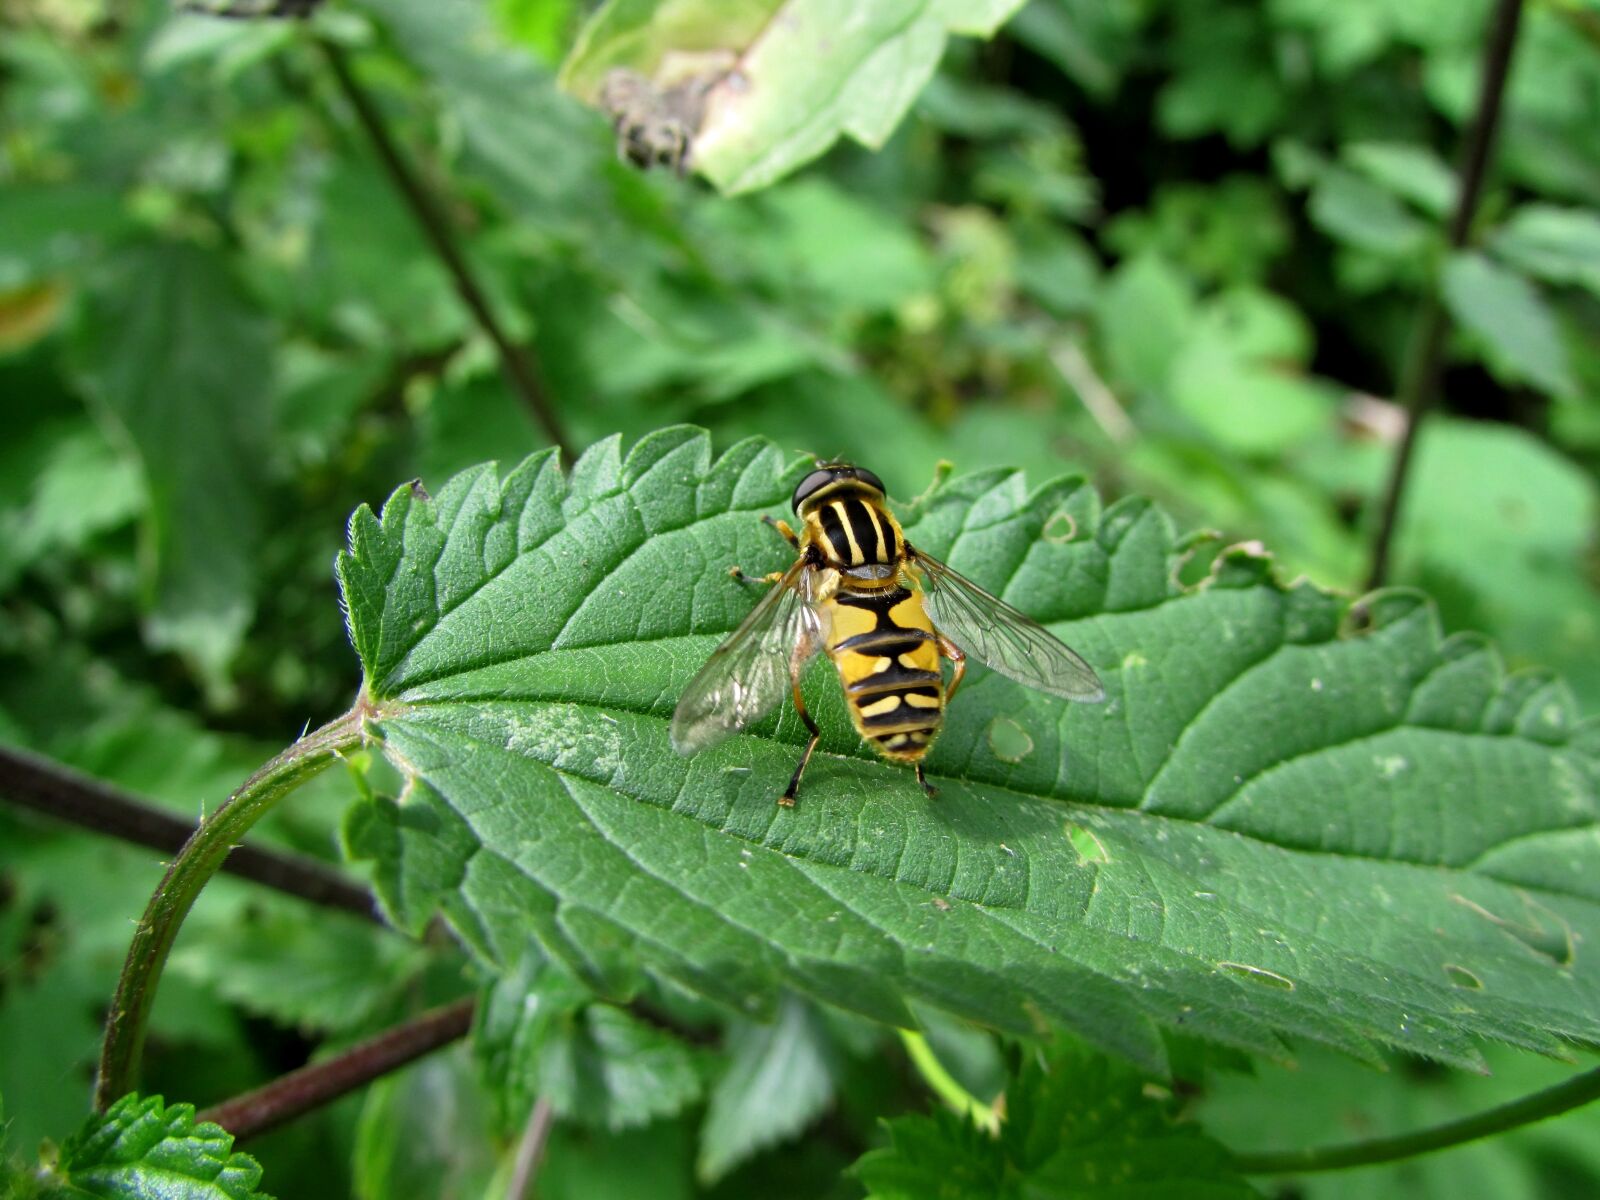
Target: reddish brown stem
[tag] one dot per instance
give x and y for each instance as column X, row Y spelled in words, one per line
column 1424, row 358
column 48, row 787
column 312, row 1086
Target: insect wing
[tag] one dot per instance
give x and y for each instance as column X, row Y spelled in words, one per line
column 747, row 675
column 1001, row 637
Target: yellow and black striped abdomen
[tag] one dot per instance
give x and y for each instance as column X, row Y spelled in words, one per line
column 883, row 644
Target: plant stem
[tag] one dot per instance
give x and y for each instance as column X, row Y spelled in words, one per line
column 944, row 1084
column 515, row 362
column 194, row 866
column 530, row 1150
column 312, row 1086
column 48, row 787
column 1419, row 378
column 1551, row 1102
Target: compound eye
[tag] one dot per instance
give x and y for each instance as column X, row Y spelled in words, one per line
column 871, row 480
column 810, row 484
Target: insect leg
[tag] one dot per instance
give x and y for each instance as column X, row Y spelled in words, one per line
column 787, row 799
column 741, row 577
column 958, row 660
column 923, row 780
column 788, row 535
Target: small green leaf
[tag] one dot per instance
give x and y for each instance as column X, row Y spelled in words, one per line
column 1298, row 822
column 143, row 1148
column 540, row 1035
column 800, row 73
column 1077, row 1126
column 1509, row 317
column 1361, row 214
column 779, row 1079
column 1147, row 310
column 1247, row 406
column 1560, row 245
column 1410, row 171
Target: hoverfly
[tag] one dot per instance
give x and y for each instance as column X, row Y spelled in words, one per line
column 655, row 125
column 885, row 613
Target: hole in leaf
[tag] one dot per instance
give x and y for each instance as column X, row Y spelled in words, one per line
column 1259, row 975
column 1060, row 528
column 1462, row 977
column 1009, row 741
column 1090, row 849
column 1541, row 930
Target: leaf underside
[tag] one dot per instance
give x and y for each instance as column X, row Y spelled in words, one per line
column 1274, row 826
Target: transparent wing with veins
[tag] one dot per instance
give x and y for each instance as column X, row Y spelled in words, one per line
column 1001, row 637
column 747, row 676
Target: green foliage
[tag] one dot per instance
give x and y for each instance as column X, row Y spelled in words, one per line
column 142, row 1147
column 779, row 1078
column 594, row 1063
column 1175, row 246
column 523, row 638
column 1328, row 1098
column 1502, row 309
column 1077, row 1125
column 179, row 362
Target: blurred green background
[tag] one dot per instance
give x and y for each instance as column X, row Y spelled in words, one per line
column 1175, row 245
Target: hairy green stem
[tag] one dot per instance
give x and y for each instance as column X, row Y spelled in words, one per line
column 1419, row 378
column 196, row 863
column 319, row 1083
column 944, row 1084
column 1552, row 1102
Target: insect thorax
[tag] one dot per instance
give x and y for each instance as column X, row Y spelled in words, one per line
column 855, row 534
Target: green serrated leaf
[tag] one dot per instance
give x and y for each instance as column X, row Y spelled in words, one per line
column 1078, row 1125
column 1296, row 829
column 1507, row 315
column 146, row 1148
column 799, row 74
column 779, row 1079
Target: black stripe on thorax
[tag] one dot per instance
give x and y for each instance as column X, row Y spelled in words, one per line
column 833, row 530
column 864, row 524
